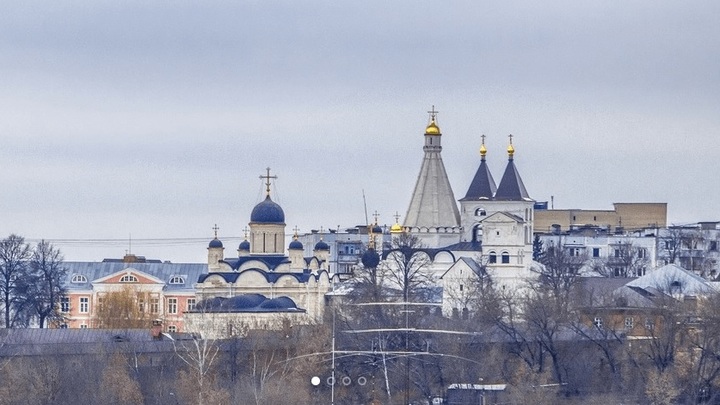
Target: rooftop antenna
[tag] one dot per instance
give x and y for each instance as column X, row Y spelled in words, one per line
column 365, row 205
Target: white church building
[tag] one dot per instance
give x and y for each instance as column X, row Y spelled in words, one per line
column 493, row 226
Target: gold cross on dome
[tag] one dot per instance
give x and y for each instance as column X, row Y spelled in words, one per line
column 511, row 137
column 267, row 178
column 483, row 138
column 433, row 113
column 215, row 228
column 246, row 230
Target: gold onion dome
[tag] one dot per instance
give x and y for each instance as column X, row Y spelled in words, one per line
column 396, row 228
column 432, row 128
column 483, row 150
column 510, row 150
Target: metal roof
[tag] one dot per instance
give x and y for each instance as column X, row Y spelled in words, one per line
column 511, row 186
column 482, row 185
column 162, row 270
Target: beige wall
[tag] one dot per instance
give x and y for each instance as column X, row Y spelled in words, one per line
column 630, row 216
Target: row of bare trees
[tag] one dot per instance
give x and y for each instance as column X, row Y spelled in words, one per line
column 31, row 282
column 551, row 332
column 556, row 323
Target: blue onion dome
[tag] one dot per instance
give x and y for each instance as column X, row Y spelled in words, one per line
column 267, row 212
column 377, row 229
column 296, row 245
column 244, row 245
column 215, row 243
column 322, row 245
column 370, row 259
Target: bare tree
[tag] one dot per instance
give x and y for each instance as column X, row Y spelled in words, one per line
column 682, row 244
column 607, row 336
column 14, row 257
column 369, row 280
column 45, row 287
column 559, row 272
column 406, row 266
column 502, row 308
column 692, row 241
column 199, row 355
column 626, row 260
column 118, row 385
column 671, row 243
column 122, row 309
column 698, row 358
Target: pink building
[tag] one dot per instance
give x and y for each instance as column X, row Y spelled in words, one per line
column 159, row 290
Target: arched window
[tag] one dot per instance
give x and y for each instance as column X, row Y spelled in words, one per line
column 505, row 257
column 492, row 257
column 477, row 233
column 480, row 212
column 177, row 280
column 128, row 278
column 79, row 278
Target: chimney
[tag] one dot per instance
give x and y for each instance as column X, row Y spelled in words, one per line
column 156, row 330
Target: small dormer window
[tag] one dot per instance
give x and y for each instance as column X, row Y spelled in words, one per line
column 177, row 280
column 128, row 278
column 79, row 279
column 675, row 287
column 480, row 212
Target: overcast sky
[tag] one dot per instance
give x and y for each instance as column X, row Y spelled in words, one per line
column 154, row 120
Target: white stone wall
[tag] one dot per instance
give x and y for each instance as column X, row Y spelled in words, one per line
column 237, row 324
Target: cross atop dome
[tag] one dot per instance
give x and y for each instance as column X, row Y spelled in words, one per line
column 433, row 113
column 510, row 149
column 432, row 128
column 267, row 178
column 483, row 149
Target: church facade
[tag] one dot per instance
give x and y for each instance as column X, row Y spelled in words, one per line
column 493, row 226
column 261, row 287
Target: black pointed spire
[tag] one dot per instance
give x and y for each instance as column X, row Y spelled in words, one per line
column 511, row 186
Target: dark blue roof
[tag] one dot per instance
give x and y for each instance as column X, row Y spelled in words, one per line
column 482, row 185
column 267, row 212
column 247, row 303
column 322, row 245
column 296, row 245
column 215, row 243
column 270, row 276
column 279, row 303
column 511, row 186
column 244, row 245
column 271, row 261
column 465, row 247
